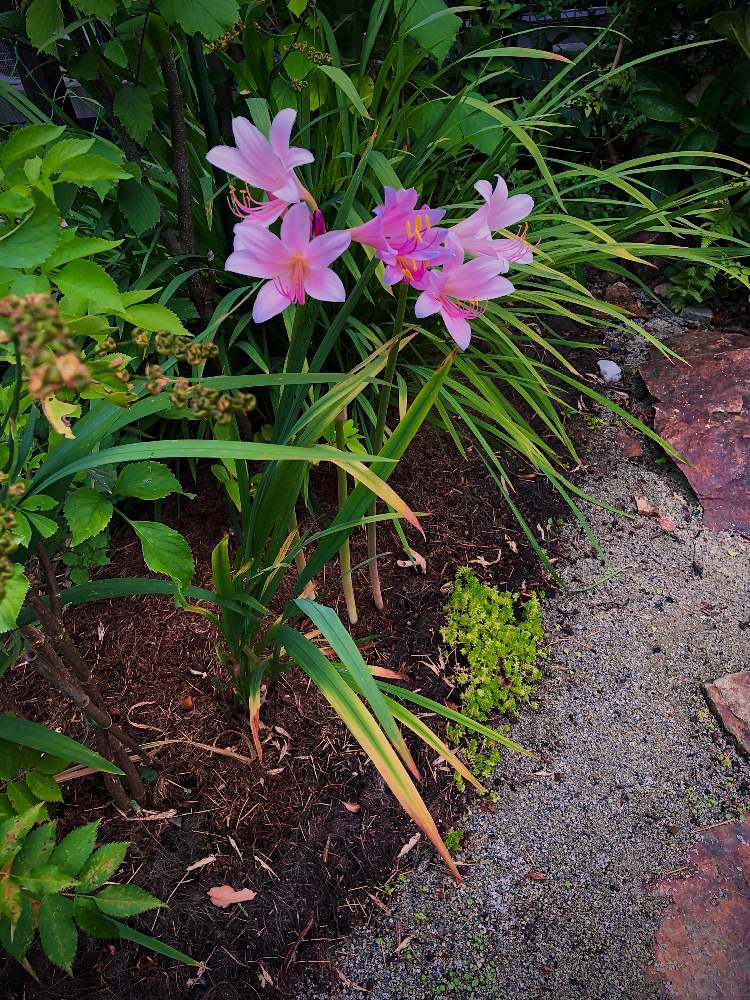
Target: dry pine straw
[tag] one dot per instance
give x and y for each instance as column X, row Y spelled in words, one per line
column 289, row 830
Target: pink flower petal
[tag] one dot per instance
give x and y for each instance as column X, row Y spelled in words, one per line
column 295, row 230
column 281, row 131
column 269, row 302
column 426, row 305
column 297, row 157
column 458, row 328
column 246, row 262
column 324, row 284
column 324, row 250
column 508, row 213
column 230, row 159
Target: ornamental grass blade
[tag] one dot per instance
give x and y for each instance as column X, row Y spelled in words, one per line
column 366, row 731
column 332, row 629
column 448, row 713
column 413, row 722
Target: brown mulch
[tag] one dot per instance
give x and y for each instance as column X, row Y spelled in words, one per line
column 283, row 830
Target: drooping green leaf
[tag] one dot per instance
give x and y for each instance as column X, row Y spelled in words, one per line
column 101, row 866
column 165, row 551
column 153, row 944
column 21, row 796
column 92, row 921
column 101, row 9
column 125, row 900
column 344, row 83
column 87, row 513
column 133, row 107
column 34, row 238
column 152, row 316
column 44, row 787
column 92, row 168
column 10, row 760
column 45, row 740
column 44, row 22
column 16, row 588
column 27, row 140
column 74, row 247
column 57, row 931
column 147, row 481
column 74, row 850
column 139, row 205
column 44, row 525
column 196, row 16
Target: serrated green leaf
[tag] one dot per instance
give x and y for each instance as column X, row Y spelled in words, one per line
column 133, row 107
column 62, row 152
column 139, row 205
column 44, row 787
column 74, row 850
column 10, row 900
column 125, row 900
column 37, row 848
column 19, row 941
column 196, row 16
column 147, row 481
column 431, row 24
column 44, row 22
column 88, row 283
column 44, row 525
column 152, row 316
column 57, row 931
column 46, row 879
column 74, row 247
column 51, row 765
column 87, row 513
column 25, row 141
column 91, row 169
column 165, row 551
column 13, row 831
column 101, row 866
column 21, row 796
column 16, row 588
column 34, row 238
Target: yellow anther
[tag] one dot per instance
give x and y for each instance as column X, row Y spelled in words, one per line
column 408, row 228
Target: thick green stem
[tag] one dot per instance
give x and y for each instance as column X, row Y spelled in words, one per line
column 344, row 552
column 377, row 442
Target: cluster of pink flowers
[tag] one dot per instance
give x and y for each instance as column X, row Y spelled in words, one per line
column 410, row 241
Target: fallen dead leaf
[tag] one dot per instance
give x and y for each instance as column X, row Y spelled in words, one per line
column 537, row 876
column 404, row 944
column 409, row 845
column 644, row 506
column 352, row 807
column 667, row 524
column 187, row 703
column 264, row 977
column 208, row 860
column 225, row 895
column 151, row 817
column 484, row 563
column 348, row 982
column 419, row 563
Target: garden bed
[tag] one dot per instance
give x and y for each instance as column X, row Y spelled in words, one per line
column 313, row 832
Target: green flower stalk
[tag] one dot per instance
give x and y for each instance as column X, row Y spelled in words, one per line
column 377, row 442
column 344, row 552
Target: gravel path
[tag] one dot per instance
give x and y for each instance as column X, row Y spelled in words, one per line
column 630, row 765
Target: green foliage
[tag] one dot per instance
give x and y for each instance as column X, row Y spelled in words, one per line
column 497, row 642
column 52, row 886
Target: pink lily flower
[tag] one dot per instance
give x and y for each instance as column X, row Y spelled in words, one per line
column 398, row 224
column 265, row 163
column 411, row 262
column 294, row 264
column 499, row 212
column 456, row 291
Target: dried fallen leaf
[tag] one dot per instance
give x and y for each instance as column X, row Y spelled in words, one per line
column 187, row 703
column 409, row 845
column 404, row 944
column 352, row 807
column 264, row 977
column 644, row 507
column 150, row 817
column 225, row 895
column 537, row 876
column 348, row 982
column 481, row 561
column 419, row 562
column 202, row 863
column 667, row 524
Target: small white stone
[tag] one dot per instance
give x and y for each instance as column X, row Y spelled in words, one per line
column 609, row 371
